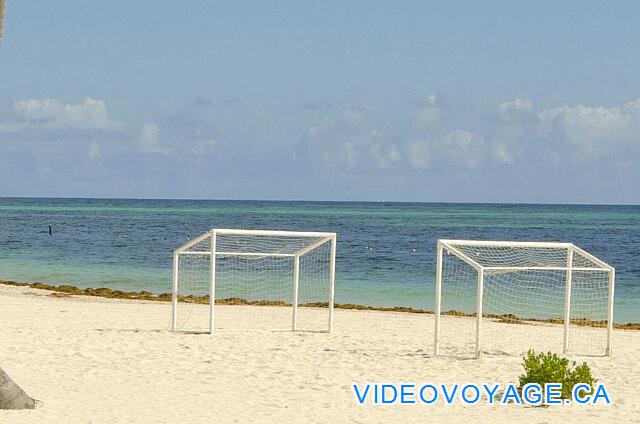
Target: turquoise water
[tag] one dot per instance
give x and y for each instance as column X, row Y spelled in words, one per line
column 385, row 250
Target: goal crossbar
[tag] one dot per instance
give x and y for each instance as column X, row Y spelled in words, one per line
column 322, row 239
column 226, row 231
column 260, row 254
column 452, row 246
column 504, row 243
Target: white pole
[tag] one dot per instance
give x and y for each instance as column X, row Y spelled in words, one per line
column 567, row 301
column 174, row 293
column 612, row 282
column 212, row 287
column 479, row 310
column 332, row 281
column 436, row 336
column 227, row 231
column 495, row 243
column 296, row 280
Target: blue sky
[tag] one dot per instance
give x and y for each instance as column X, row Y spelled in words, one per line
column 411, row 101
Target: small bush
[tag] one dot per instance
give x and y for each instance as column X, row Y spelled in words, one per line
column 543, row 368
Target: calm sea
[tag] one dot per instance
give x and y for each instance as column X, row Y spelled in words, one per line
column 385, row 250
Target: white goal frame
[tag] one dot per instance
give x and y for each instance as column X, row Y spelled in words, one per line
column 451, row 246
column 316, row 239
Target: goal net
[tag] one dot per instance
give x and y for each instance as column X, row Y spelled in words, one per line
column 508, row 297
column 258, row 279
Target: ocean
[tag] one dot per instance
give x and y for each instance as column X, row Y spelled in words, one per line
column 386, row 251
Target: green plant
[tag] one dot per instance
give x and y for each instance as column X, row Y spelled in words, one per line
column 543, row 368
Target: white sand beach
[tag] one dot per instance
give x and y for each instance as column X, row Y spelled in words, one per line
column 89, row 359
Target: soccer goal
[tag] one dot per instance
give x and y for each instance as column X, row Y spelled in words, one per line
column 239, row 279
column 503, row 297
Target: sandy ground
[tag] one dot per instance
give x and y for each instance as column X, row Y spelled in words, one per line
column 100, row 360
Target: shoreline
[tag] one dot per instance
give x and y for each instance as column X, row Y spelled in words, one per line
column 70, row 290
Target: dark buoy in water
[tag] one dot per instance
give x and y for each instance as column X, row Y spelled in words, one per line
column 50, row 230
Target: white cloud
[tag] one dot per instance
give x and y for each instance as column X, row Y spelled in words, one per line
column 519, row 141
column 512, row 131
column 577, row 133
column 384, row 155
column 370, row 149
column 515, row 109
column 53, row 114
column 464, row 148
column 202, row 147
column 592, row 132
column 149, row 141
column 428, row 110
column 420, row 154
column 520, row 136
column 94, row 151
column 355, row 116
column 346, row 142
column 457, row 149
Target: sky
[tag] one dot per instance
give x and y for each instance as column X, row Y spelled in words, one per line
column 452, row 101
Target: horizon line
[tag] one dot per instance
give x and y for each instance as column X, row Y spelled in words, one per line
column 318, row 201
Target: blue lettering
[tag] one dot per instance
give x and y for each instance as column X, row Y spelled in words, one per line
column 511, row 395
column 433, row 398
column 384, row 388
column 463, row 394
column 576, row 393
column 601, row 392
column 359, row 397
column 532, row 394
column 491, row 393
column 449, row 397
column 552, row 393
column 404, row 393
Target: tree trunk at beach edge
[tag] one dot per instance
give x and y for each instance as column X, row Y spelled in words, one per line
column 12, row 396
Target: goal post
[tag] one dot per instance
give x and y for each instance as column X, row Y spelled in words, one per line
column 231, row 278
column 561, row 294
